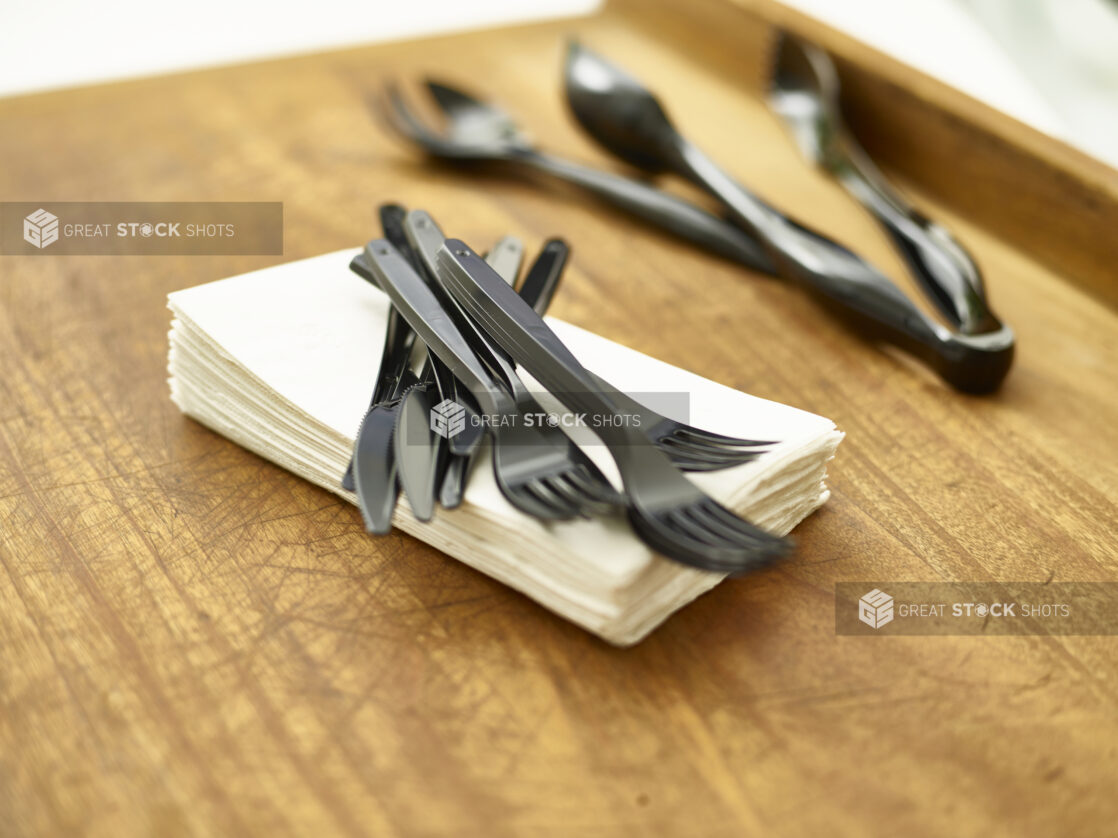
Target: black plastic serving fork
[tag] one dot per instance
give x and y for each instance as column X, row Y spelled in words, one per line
column 542, row 476
column 480, row 131
column 665, row 509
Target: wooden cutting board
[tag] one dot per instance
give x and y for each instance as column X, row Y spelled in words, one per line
column 192, row 641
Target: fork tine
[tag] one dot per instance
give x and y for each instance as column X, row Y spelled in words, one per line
column 401, row 118
column 585, row 504
column 748, row 533
column 596, row 485
column 697, row 435
column 710, row 452
column 392, row 106
column 530, row 502
column 587, row 501
column 684, row 463
column 450, row 99
column 547, row 495
column 697, row 458
column 681, row 522
column 735, row 552
column 704, row 518
column 404, row 118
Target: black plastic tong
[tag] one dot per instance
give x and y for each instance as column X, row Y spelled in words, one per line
column 626, row 118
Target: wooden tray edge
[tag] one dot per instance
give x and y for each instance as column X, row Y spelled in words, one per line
column 1047, row 199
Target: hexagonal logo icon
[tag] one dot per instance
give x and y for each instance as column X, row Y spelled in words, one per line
column 875, row 609
column 448, row 418
column 40, row 228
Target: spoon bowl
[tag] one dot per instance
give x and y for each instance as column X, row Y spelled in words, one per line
column 618, row 111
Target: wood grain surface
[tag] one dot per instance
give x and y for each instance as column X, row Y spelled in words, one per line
column 194, row 642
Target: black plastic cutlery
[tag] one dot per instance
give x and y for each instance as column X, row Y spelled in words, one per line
column 538, row 457
column 539, row 469
column 804, row 93
column 480, row 131
column 628, row 120
column 542, row 279
column 665, row 509
column 690, row 448
column 372, row 471
column 542, row 475
column 419, row 452
column 505, row 258
column 973, row 351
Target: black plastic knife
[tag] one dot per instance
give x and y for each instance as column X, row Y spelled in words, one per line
column 372, row 472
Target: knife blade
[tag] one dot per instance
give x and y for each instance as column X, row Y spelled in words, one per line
column 446, row 463
column 416, row 450
column 374, row 469
column 372, row 458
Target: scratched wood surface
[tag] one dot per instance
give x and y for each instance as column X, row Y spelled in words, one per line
column 194, row 642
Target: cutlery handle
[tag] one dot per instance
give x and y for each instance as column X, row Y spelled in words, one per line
column 944, row 269
column 658, row 207
column 395, row 358
column 398, row 335
column 506, row 257
column 434, row 371
column 433, row 323
column 426, row 239
column 521, row 332
column 395, row 373
column 538, row 287
column 543, row 277
column 880, row 310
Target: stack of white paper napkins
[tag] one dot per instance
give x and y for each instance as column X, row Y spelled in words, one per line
column 283, row 360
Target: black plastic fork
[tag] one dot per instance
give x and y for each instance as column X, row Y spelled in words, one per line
column 670, row 513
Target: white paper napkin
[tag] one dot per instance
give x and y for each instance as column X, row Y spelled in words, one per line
column 283, row 361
